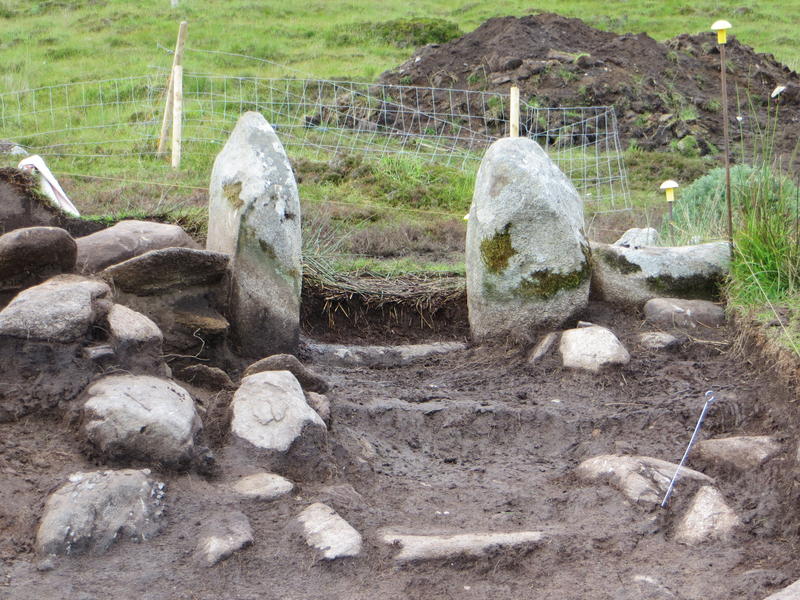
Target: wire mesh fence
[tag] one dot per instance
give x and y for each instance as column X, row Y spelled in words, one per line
column 317, row 120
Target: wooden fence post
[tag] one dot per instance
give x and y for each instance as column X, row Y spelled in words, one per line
column 514, row 110
column 177, row 59
column 177, row 114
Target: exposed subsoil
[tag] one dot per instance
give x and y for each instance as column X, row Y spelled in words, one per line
column 661, row 91
column 473, row 441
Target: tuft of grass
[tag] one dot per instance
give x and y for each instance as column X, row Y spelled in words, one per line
column 403, row 33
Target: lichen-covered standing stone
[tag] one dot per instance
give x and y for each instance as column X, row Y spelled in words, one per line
column 254, row 215
column 527, row 255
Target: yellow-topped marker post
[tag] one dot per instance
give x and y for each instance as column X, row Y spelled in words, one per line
column 669, row 187
column 721, row 27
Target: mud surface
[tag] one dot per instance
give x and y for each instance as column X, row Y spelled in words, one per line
column 661, row 91
column 474, row 441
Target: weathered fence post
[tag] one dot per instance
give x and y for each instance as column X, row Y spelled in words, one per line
column 177, row 59
column 177, row 114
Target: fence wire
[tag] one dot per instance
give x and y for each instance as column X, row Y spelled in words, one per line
column 317, row 120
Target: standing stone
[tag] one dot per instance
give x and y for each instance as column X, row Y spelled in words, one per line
column 527, row 255
column 254, row 215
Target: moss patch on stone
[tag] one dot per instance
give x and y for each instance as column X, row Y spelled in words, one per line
column 232, row 193
column 544, row 284
column 497, row 250
column 619, row 262
column 700, row 287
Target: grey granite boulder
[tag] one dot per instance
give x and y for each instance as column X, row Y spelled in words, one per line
column 141, row 417
column 167, row 269
column 125, row 240
column 137, row 341
column 44, row 332
column 591, row 349
column 632, row 276
column 527, row 255
column 639, row 238
column 29, row 256
column 683, row 314
column 254, row 216
column 93, row 510
column 272, row 422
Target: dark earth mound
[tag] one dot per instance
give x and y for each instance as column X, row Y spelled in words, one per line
column 663, row 93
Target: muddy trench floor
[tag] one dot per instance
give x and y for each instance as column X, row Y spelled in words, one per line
column 470, row 442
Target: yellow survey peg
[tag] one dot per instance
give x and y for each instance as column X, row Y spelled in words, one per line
column 721, row 27
column 669, row 188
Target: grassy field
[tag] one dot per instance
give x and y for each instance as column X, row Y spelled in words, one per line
column 405, row 215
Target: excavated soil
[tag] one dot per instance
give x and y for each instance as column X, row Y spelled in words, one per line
column 474, row 441
column 661, row 91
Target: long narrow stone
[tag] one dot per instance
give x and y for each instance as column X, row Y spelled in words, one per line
column 432, row 547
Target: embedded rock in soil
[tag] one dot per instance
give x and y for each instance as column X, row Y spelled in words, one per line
column 592, row 348
column 328, row 533
column 207, row 377
column 683, row 314
column 659, row 340
column 93, row 510
column 639, row 238
column 742, row 452
column 223, row 536
column 791, row 592
column 321, row 405
column 29, row 256
column 309, row 381
column 273, row 422
column 433, row 547
column 263, row 486
column 378, row 356
column 62, row 309
column 542, row 348
column 527, row 255
column 125, row 240
column 632, row 276
column 137, row 341
column 642, row 479
column 707, row 518
column 646, row 588
column 43, row 332
column 254, row 215
column 167, row 269
column 141, row 417
column 23, row 205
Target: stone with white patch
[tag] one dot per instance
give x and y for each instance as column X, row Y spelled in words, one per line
column 639, row 237
column 254, row 215
column 708, row 518
column 659, row 340
column 414, row 547
column 93, row 510
column 592, row 349
column 222, row 536
column 263, row 486
column 527, row 255
column 328, row 533
column 643, row 480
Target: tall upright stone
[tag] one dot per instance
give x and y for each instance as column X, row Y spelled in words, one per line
column 527, row 254
column 254, row 215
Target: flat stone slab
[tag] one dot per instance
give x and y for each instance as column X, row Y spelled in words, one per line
column 93, row 510
column 328, row 533
column 263, row 486
column 741, row 452
column 223, row 536
column 642, row 479
column 708, row 518
column 542, row 347
column 167, row 269
column 432, row 547
column 683, row 314
column 379, row 356
column 591, row 349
